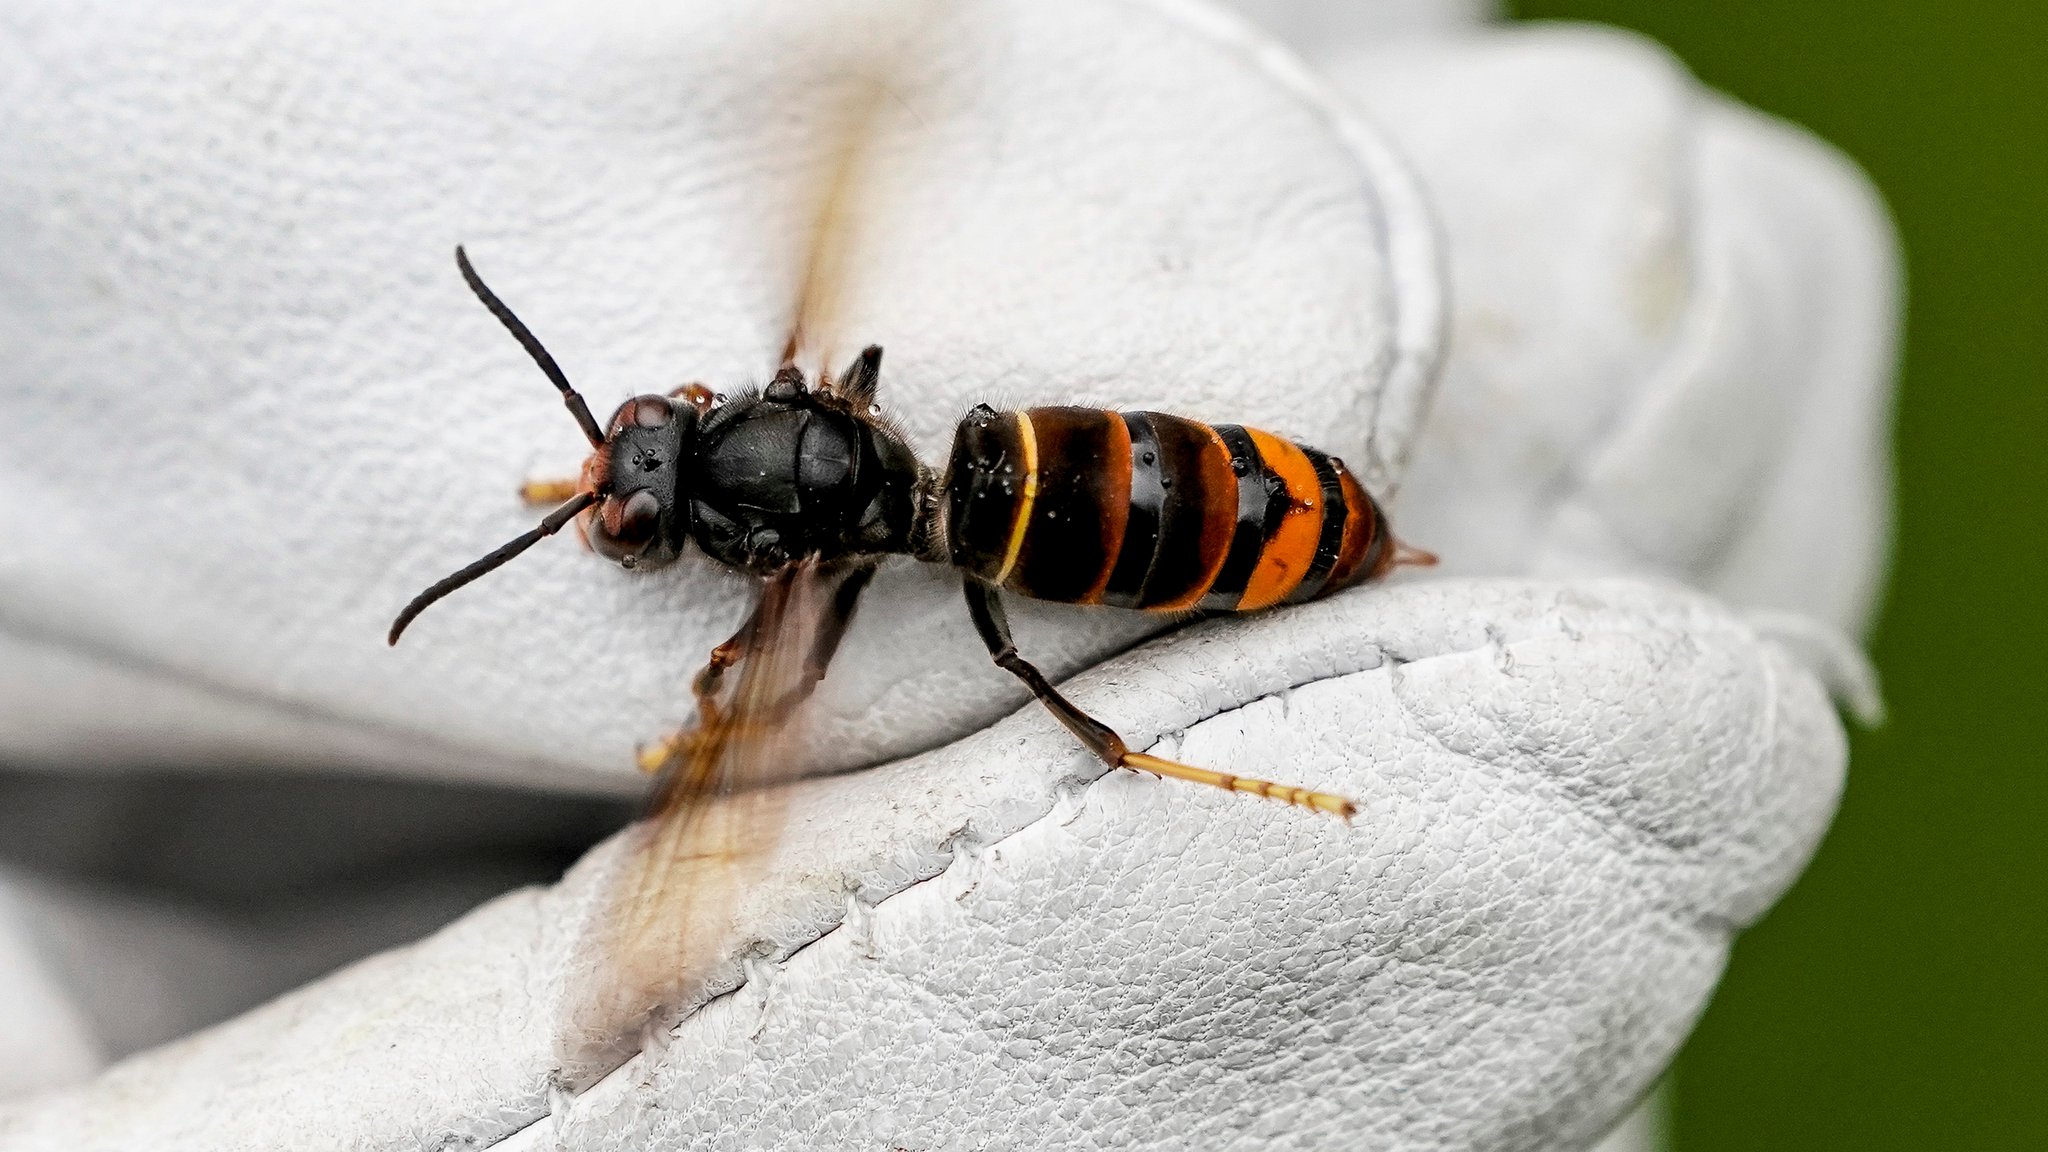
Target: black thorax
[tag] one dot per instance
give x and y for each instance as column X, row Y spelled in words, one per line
column 790, row 473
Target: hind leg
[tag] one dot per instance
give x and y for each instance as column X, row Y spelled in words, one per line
column 1100, row 738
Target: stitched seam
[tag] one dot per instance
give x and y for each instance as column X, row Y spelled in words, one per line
column 952, row 848
column 955, row 845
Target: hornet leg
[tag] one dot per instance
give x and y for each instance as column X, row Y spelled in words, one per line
column 831, row 630
column 652, row 758
column 987, row 610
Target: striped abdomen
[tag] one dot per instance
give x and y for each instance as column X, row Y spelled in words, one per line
column 1145, row 510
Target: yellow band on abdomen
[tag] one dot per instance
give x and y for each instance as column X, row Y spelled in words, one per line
column 1021, row 520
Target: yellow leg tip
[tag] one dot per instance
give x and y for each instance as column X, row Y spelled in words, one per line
column 1287, row 794
column 1336, row 806
column 652, row 757
column 548, row 492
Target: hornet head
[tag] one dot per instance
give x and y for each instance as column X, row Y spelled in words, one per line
column 630, row 492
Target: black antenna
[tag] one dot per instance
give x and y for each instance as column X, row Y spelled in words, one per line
column 577, row 407
column 504, row 552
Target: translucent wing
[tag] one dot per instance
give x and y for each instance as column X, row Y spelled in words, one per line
column 657, row 939
column 878, row 75
column 828, row 253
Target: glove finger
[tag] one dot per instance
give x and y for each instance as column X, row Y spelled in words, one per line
column 1673, row 346
column 1127, row 203
column 1572, row 796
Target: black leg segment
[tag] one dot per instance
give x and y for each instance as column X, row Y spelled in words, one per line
column 986, row 607
column 987, row 611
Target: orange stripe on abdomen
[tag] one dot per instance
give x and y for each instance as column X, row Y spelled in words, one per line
column 1156, row 512
column 1290, row 544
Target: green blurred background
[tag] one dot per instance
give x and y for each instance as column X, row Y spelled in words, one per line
column 1898, row 997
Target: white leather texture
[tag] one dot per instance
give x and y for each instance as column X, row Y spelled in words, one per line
column 1569, row 793
column 353, row 425
column 1664, row 330
column 1673, row 324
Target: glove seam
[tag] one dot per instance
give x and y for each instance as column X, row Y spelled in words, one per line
column 961, row 843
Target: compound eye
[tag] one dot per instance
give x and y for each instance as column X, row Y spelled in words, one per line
column 638, row 518
column 643, row 412
column 652, row 412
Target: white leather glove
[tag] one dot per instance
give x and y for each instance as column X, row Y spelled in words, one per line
column 249, row 410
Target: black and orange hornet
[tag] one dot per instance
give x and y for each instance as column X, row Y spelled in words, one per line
column 808, row 487
column 1139, row 510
